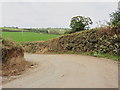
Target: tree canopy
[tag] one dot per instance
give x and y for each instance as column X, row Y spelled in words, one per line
column 115, row 18
column 80, row 23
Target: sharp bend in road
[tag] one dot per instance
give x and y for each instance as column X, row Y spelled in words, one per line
column 67, row 71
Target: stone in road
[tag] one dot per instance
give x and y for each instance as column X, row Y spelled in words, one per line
column 67, row 71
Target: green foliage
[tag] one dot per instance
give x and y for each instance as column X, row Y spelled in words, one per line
column 80, row 23
column 97, row 41
column 115, row 18
column 69, row 32
column 95, row 54
column 103, row 55
column 27, row 36
column 8, row 29
column 55, row 31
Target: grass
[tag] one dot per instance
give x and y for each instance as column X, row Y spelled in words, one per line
column 56, row 31
column 11, row 29
column 27, row 36
column 105, row 55
column 100, row 55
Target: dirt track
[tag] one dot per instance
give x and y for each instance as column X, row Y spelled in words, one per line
column 67, row 71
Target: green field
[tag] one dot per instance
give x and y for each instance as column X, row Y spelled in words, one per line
column 27, row 36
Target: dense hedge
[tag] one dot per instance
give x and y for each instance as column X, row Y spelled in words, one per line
column 99, row 40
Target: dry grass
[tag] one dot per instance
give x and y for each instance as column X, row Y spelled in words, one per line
column 13, row 62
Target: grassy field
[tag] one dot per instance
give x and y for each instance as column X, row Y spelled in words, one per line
column 27, row 36
column 11, row 29
column 55, row 31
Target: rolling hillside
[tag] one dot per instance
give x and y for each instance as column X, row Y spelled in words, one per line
column 27, row 36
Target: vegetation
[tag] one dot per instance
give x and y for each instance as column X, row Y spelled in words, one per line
column 115, row 18
column 55, row 31
column 100, row 55
column 27, row 36
column 79, row 23
column 11, row 29
column 100, row 42
column 104, row 55
column 13, row 62
column 95, row 42
column 8, row 44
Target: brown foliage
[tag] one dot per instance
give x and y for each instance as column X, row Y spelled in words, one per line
column 103, row 40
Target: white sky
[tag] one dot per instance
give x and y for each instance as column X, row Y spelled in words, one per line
column 59, row 0
column 53, row 14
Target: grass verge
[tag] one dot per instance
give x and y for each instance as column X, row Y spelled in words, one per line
column 100, row 55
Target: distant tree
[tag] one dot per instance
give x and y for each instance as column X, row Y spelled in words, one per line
column 80, row 23
column 115, row 18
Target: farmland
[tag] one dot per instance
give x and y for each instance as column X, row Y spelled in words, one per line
column 27, row 36
column 55, row 31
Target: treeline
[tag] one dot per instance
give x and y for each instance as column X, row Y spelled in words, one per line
column 12, row 29
column 56, row 31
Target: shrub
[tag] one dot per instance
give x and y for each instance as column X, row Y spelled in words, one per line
column 115, row 18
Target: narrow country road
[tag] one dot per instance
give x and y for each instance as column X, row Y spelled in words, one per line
column 67, row 71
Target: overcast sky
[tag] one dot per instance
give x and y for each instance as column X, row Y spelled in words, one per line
column 53, row 14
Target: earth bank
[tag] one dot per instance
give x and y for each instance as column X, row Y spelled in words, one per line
column 13, row 62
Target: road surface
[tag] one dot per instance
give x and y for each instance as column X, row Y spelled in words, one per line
column 67, row 71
